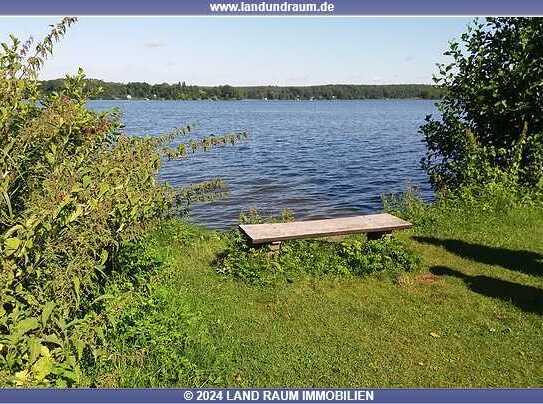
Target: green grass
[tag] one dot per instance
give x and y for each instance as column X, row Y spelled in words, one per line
column 471, row 316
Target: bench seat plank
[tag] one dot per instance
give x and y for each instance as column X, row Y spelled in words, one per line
column 273, row 232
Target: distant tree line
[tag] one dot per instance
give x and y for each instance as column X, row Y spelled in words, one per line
column 182, row 91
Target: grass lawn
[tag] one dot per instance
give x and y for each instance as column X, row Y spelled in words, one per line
column 471, row 316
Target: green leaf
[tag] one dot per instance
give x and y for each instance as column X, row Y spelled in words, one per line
column 103, row 257
column 34, row 348
column 100, row 333
column 79, row 346
column 42, row 368
column 75, row 214
column 11, row 245
column 86, row 181
column 46, row 313
column 53, row 339
column 25, row 326
column 104, row 187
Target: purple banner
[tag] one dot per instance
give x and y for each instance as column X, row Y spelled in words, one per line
column 273, row 7
column 271, row 395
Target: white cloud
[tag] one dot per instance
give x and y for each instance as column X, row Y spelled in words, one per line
column 153, row 44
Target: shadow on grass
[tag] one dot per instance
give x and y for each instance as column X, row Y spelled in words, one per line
column 527, row 298
column 528, row 262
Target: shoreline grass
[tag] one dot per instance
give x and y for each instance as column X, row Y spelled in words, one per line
column 470, row 317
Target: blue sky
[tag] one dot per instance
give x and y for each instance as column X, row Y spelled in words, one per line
column 247, row 51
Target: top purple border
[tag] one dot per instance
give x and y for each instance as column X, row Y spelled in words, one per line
column 340, row 7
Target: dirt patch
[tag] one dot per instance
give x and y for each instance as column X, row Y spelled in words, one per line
column 426, row 279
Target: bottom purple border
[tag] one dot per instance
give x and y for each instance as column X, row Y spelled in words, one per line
column 271, row 395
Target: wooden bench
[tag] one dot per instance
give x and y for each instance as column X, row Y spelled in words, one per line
column 375, row 226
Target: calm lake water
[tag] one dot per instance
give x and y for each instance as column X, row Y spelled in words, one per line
column 319, row 159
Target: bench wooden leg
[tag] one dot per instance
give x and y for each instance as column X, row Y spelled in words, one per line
column 275, row 246
column 377, row 235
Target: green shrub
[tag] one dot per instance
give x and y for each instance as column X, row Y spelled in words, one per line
column 490, row 114
column 371, row 256
column 73, row 191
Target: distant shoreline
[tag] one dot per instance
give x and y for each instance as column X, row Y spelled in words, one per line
column 257, row 100
column 182, row 91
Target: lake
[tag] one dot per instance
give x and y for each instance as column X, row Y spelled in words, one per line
column 317, row 158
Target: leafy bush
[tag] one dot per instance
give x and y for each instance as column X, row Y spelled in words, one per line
column 353, row 256
column 73, row 191
column 491, row 125
column 386, row 255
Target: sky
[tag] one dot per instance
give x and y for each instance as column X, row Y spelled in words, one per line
column 247, row 50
